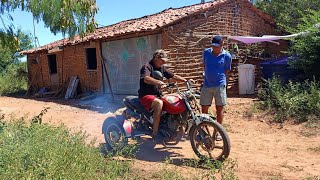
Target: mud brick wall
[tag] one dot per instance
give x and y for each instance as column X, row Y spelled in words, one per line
column 71, row 61
column 186, row 40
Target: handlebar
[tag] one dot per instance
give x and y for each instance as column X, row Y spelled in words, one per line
column 170, row 85
column 188, row 83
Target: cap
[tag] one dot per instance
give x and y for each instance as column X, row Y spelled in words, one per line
column 216, row 41
column 161, row 54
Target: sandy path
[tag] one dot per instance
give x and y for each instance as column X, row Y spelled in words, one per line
column 262, row 151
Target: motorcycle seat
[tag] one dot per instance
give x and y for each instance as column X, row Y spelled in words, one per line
column 134, row 104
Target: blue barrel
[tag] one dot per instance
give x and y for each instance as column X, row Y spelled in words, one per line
column 278, row 67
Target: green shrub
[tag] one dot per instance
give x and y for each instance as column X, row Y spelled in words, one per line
column 42, row 151
column 14, row 80
column 296, row 100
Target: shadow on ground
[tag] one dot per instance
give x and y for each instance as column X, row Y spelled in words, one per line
column 147, row 151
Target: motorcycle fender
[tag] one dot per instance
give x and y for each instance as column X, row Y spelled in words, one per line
column 199, row 119
column 120, row 120
column 127, row 126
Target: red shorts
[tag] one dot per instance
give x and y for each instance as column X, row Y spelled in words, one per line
column 147, row 100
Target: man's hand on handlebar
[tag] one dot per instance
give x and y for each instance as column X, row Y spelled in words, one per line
column 168, row 85
column 160, row 84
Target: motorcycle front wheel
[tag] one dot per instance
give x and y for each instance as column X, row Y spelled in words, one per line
column 205, row 144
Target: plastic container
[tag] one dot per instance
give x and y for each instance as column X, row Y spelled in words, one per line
column 246, row 79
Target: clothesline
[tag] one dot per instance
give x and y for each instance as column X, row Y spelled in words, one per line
column 264, row 38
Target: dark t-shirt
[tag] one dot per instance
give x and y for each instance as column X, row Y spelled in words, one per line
column 148, row 89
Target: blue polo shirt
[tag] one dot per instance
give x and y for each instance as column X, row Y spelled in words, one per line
column 215, row 67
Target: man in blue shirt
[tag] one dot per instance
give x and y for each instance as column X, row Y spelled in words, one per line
column 217, row 64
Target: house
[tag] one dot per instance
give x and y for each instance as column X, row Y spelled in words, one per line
column 109, row 59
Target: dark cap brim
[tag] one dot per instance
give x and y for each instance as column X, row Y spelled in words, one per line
column 215, row 44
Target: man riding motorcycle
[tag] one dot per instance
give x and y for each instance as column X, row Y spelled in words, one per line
column 179, row 112
column 150, row 88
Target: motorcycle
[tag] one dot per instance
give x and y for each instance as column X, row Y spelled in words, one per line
column 180, row 117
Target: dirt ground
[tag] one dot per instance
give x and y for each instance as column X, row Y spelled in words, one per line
column 261, row 150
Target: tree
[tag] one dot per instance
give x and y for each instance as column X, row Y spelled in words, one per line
column 307, row 46
column 288, row 13
column 296, row 16
column 66, row 16
column 8, row 53
column 69, row 17
column 13, row 73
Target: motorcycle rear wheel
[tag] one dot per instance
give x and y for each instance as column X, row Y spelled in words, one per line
column 114, row 136
column 204, row 143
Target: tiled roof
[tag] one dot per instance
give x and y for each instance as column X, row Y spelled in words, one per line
column 146, row 23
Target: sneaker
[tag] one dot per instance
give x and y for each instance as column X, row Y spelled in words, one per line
column 158, row 139
column 218, row 137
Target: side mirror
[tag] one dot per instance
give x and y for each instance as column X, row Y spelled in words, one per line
column 190, row 81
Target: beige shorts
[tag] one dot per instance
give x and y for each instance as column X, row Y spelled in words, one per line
column 218, row 93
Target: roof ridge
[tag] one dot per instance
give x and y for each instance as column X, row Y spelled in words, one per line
column 151, row 22
column 160, row 12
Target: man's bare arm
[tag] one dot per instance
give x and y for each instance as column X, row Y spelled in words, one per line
column 152, row 81
column 179, row 78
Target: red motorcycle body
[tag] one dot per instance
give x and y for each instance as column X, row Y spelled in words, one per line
column 173, row 104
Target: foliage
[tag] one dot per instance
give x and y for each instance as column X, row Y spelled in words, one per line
column 307, row 46
column 300, row 101
column 14, row 80
column 9, row 52
column 38, row 118
column 42, row 151
column 288, row 13
column 65, row 16
column 13, row 73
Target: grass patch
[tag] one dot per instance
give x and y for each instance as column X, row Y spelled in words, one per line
column 213, row 169
column 273, row 176
column 227, row 127
column 41, row 151
column 290, row 149
column 313, row 178
column 167, row 174
column 311, row 128
column 251, row 111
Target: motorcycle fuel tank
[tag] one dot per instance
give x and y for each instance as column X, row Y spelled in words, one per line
column 173, row 104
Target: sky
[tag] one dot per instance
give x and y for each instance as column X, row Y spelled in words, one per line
column 110, row 12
